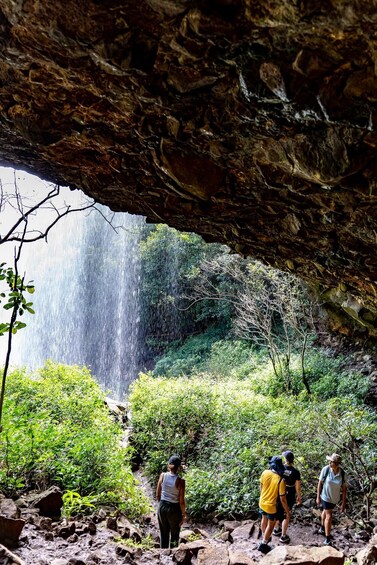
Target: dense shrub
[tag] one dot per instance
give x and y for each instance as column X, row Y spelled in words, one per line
column 330, row 376
column 170, row 415
column 235, row 358
column 190, row 357
column 57, row 430
column 213, row 353
column 225, row 431
column 169, row 268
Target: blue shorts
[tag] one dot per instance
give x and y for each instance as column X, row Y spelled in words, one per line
column 327, row 505
column 272, row 517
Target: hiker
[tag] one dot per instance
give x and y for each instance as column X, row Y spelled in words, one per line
column 171, row 512
column 292, row 479
column 331, row 488
column 272, row 487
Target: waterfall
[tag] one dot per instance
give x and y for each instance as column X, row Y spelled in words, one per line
column 86, row 300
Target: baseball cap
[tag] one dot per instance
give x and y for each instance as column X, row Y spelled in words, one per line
column 288, row 455
column 175, row 460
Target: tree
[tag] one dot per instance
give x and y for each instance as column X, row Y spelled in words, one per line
column 21, row 214
column 271, row 308
column 16, row 302
column 170, row 266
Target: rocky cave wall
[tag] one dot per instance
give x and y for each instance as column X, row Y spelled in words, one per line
column 252, row 123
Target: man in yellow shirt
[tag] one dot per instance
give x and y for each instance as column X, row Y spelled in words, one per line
column 272, row 486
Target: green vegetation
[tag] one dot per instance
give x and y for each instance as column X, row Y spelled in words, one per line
column 226, row 427
column 145, row 543
column 13, row 288
column 238, row 376
column 14, row 297
column 192, row 289
column 74, row 504
column 169, row 270
column 57, row 430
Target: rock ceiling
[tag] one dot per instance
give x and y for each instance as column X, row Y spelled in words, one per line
column 252, row 123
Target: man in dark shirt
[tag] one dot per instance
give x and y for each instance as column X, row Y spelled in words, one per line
column 292, row 479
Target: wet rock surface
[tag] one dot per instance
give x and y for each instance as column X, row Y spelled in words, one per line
column 103, row 538
column 252, row 123
column 77, row 542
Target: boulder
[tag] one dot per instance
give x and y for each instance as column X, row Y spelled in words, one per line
column 230, row 525
column 126, row 529
column 9, row 508
column 201, row 532
column 125, row 551
column 243, row 532
column 181, row 556
column 185, row 551
column 368, row 555
column 66, row 530
column 212, row 555
column 49, row 502
column 240, row 558
column 10, row 523
column 301, row 555
column 185, row 535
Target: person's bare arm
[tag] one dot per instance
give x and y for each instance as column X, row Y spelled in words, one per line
column 182, row 502
column 344, row 497
column 319, row 490
column 283, row 498
column 298, row 491
column 159, row 487
column 284, row 503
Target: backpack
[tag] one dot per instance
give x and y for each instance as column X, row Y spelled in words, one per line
column 328, row 471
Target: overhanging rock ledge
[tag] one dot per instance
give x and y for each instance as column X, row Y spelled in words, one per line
column 250, row 122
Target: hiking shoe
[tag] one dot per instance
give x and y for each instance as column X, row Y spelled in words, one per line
column 285, row 539
column 264, row 548
column 327, row 541
column 276, row 531
column 322, row 531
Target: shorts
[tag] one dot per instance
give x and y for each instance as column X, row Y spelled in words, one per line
column 327, row 505
column 269, row 516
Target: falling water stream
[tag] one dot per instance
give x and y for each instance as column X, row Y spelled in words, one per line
column 86, row 302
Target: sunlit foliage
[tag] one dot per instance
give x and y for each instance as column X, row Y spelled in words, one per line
column 226, row 427
column 58, row 430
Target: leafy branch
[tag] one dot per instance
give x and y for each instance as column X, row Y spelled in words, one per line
column 17, row 303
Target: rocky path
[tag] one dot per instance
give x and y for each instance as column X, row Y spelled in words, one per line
column 99, row 540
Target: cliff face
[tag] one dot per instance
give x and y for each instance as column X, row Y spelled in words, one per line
column 250, row 122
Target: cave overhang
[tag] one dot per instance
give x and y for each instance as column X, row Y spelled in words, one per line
column 252, row 123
